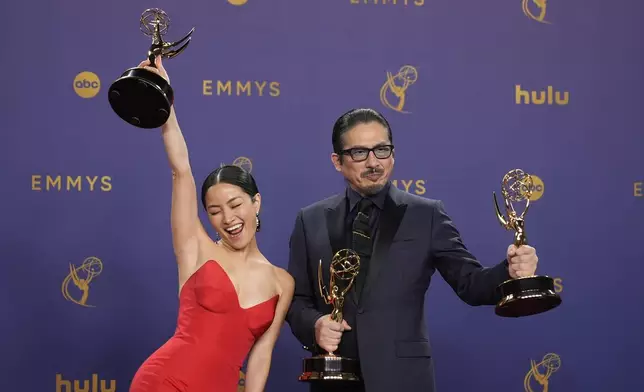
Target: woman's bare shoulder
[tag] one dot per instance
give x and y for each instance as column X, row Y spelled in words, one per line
column 284, row 280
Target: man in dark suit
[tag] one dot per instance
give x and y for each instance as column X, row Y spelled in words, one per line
column 402, row 239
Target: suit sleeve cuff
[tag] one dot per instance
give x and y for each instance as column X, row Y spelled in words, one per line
column 501, row 274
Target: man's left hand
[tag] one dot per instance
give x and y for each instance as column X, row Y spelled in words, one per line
column 522, row 261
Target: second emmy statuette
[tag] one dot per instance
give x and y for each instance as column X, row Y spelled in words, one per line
column 528, row 295
column 345, row 266
column 141, row 97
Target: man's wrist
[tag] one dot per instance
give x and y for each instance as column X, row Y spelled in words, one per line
column 317, row 319
column 314, row 344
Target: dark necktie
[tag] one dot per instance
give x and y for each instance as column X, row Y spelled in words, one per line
column 361, row 241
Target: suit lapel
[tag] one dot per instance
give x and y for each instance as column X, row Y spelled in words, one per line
column 389, row 221
column 335, row 223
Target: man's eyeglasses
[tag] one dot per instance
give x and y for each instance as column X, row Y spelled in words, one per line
column 359, row 154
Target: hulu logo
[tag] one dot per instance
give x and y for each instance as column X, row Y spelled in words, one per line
column 549, row 96
column 93, row 385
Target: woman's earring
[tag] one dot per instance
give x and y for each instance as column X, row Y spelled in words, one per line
column 259, row 224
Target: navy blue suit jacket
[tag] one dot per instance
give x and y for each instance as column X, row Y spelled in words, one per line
column 415, row 238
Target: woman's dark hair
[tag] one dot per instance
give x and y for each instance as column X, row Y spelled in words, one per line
column 230, row 174
column 352, row 118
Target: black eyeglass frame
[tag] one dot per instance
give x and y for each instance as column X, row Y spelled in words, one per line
column 352, row 152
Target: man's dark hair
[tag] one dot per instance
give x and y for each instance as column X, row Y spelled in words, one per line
column 352, row 118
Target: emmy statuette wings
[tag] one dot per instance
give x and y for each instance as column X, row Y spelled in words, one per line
column 344, row 268
column 141, row 97
column 524, row 296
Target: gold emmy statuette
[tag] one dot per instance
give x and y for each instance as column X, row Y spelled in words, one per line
column 524, row 296
column 343, row 270
column 141, row 97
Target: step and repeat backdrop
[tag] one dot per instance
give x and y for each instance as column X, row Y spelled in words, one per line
column 472, row 89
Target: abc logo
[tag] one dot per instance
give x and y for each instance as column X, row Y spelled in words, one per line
column 87, row 84
column 537, row 188
column 238, row 2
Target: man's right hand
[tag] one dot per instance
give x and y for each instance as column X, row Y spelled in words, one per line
column 328, row 332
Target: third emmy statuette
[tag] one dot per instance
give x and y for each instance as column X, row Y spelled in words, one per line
column 524, row 296
column 345, row 266
column 141, row 97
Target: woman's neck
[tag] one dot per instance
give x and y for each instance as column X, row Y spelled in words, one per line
column 244, row 254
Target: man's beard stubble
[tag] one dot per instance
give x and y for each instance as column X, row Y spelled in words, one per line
column 372, row 189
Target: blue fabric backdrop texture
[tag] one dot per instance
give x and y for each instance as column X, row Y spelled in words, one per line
column 553, row 88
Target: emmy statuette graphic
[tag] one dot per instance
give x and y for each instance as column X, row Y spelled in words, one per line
column 141, row 97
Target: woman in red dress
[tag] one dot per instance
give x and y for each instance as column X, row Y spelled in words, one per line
column 232, row 300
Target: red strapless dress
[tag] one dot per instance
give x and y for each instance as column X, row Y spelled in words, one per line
column 213, row 337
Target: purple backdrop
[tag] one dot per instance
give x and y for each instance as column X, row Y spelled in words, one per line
column 82, row 188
